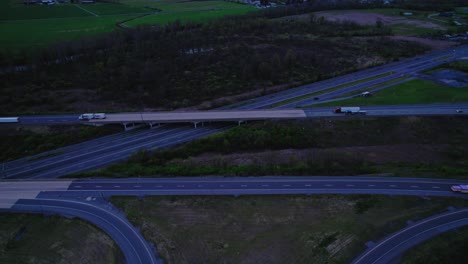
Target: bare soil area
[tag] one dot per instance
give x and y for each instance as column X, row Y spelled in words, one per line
column 410, row 153
column 433, row 43
column 371, row 18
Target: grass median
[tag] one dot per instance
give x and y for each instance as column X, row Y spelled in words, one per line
column 302, row 97
column 412, row 92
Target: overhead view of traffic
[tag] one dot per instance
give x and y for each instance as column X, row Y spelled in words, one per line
column 161, row 131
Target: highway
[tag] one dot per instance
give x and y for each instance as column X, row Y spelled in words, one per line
column 110, row 149
column 52, row 189
column 266, row 185
column 119, row 147
column 98, row 153
column 84, row 199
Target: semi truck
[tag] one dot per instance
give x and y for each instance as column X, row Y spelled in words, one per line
column 89, row 116
column 460, row 188
column 351, row 110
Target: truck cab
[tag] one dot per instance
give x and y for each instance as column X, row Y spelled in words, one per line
column 86, row 116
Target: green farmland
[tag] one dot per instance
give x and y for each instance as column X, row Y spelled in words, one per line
column 28, row 27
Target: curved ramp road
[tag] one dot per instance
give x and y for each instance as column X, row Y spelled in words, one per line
column 130, row 241
column 394, row 245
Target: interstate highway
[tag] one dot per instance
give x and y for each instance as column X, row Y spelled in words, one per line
column 103, row 151
column 76, row 199
column 91, row 157
column 265, row 185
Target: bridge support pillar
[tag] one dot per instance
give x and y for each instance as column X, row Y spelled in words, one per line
column 195, row 124
column 240, row 122
column 129, row 126
column 153, row 125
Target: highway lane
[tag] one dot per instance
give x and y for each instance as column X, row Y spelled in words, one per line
column 133, row 245
column 110, row 152
column 264, row 185
column 97, row 149
column 50, row 119
column 397, row 243
column 75, row 147
column 395, row 110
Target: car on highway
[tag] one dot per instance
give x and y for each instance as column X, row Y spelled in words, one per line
column 460, row 188
column 459, row 111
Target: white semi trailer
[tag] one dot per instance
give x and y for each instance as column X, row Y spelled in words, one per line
column 350, row 110
column 9, row 119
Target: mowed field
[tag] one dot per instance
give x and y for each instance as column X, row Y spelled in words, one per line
column 28, row 27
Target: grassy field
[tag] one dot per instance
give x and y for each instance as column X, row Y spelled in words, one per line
column 41, row 33
column 271, row 229
column 50, row 239
column 449, row 246
column 28, row 27
column 462, row 10
column 218, row 9
column 412, row 92
column 103, row 9
column 15, row 10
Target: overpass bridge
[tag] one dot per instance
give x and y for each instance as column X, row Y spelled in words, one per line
column 129, row 120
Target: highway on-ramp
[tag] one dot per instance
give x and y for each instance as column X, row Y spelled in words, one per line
column 134, row 247
column 397, row 243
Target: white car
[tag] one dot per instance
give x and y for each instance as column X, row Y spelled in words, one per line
column 460, row 188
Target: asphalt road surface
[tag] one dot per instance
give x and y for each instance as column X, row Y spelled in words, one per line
column 128, row 238
column 397, row 243
column 264, row 185
column 98, row 153
column 79, row 200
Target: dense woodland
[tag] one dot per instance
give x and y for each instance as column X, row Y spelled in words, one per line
column 181, row 65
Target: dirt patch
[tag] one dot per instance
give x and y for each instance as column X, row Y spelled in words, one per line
column 433, row 43
column 371, row 18
column 410, row 153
